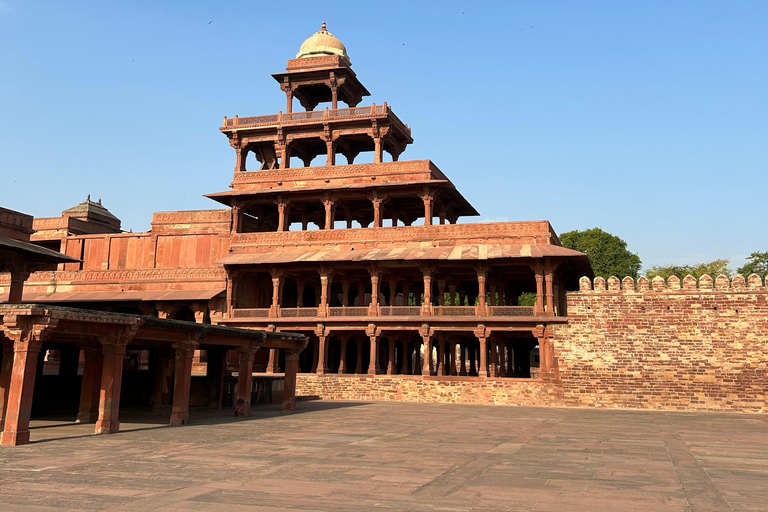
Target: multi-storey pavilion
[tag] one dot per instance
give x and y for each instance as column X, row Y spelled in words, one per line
column 389, row 270
column 367, row 259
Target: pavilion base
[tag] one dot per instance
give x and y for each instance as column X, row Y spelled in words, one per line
column 416, row 388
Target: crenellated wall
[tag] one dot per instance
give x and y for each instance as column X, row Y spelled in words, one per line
column 699, row 345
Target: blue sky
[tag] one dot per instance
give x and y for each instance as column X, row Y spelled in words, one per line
column 647, row 119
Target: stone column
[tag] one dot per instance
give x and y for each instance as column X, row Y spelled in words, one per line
column 548, row 277
column 27, row 340
column 322, row 355
column 328, row 203
column 445, row 358
column 426, row 366
column 538, row 268
column 373, row 309
column 391, row 362
column 345, row 292
column 331, row 153
column 91, row 386
column 373, row 365
column 245, row 380
column 325, row 285
column 377, row 213
column 493, row 368
column 377, row 150
column 17, row 286
column 502, row 358
column 426, row 307
column 483, row 341
column 282, row 215
column 274, row 310
column 185, row 352
column 453, row 357
column 482, row 307
column 315, row 353
column 428, row 199
column 162, row 392
column 5, row 378
column 113, row 350
column 359, row 366
column 289, row 388
column 343, row 356
column 441, row 292
column 273, row 365
column 404, row 367
column 462, row 358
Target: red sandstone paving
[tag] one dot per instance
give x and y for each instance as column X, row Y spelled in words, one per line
column 350, row 456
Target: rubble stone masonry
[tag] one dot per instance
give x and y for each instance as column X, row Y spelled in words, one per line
column 699, row 346
column 407, row 388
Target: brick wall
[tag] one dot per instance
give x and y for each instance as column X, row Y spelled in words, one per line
column 430, row 389
column 701, row 346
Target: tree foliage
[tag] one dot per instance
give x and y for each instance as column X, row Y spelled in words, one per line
column 757, row 263
column 608, row 253
column 713, row 269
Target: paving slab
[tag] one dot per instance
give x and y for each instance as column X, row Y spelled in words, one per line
column 355, row 456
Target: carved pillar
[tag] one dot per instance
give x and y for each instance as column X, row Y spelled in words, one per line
column 300, row 292
column 426, row 366
column 322, row 354
column 282, row 215
column 289, row 386
column 5, row 378
column 482, row 338
column 244, row 380
column 377, row 213
column 330, row 147
column 493, row 367
column 345, row 292
column 392, row 290
column 377, row 150
column 185, row 352
column 273, row 365
column 452, row 294
column 404, row 367
column 90, row 389
column 462, row 358
column 343, row 355
column 285, row 161
column 27, row 337
column 441, row 292
column 326, row 279
column 548, row 277
column 428, row 199
column 391, row 361
column 373, row 309
column 426, row 307
column 330, row 209
column 373, row 365
column 113, row 352
column 453, row 356
column 274, row 310
column 538, row 268
column 482, row 307
column 17, row 286
column 445, row 358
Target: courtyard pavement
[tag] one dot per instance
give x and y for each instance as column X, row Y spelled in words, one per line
column 350, row 456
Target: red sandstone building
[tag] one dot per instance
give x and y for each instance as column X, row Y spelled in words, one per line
column 368, row 260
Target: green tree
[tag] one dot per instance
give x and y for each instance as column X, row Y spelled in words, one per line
column 757, row 263
column 713, row 269
column 608, row 253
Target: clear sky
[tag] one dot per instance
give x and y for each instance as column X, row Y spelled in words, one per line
column 648, row 119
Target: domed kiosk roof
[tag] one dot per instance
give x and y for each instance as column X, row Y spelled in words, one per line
column 322, row 43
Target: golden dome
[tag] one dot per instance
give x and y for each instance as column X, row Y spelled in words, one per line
column 322, row 43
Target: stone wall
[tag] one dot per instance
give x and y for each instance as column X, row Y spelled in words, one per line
column 463, row 390
column 699, row 346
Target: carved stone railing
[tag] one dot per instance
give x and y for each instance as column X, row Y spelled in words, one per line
column 348, row 311
column 400, row 311
column 527, row 232
column 510, row 311
column 339, row 114
column 454, row 310
column 251, row 313
column 298, row 312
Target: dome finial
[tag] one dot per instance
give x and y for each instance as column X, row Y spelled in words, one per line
column 322, row 28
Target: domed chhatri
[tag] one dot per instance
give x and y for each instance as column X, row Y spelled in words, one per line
column 322, row 43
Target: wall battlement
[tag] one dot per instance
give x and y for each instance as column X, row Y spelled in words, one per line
column 704, row 284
